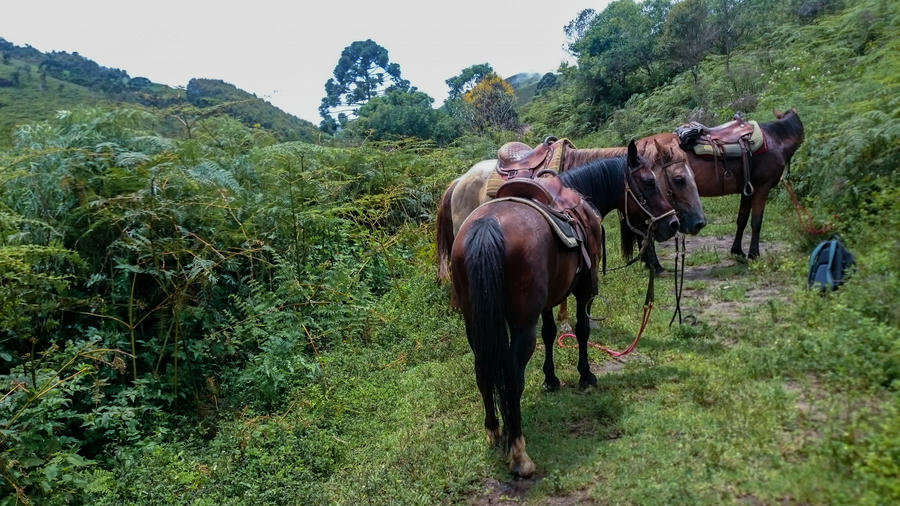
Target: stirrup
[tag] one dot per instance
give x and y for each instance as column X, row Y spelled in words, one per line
column 748, row 189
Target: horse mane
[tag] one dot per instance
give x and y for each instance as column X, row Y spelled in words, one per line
column 579, row 157
column 601, row 180
column 789, row 126
column 598, row 181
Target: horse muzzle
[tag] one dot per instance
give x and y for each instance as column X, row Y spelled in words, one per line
column 665, row 228
column 691, row 225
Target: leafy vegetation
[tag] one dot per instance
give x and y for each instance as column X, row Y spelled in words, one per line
column 193, row 311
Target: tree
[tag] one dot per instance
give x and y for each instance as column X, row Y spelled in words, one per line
column 548, row 81
column 467, row 79
column 687, row 35
column 576, row 29
column 359, row 77
column 730, row 26
column 617, row 56
column 398, row 114
column 492, row 104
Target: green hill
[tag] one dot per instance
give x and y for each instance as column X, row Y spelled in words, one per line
column 34, row 85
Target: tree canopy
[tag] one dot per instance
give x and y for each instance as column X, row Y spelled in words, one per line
column 467, row 79
column 359, row 76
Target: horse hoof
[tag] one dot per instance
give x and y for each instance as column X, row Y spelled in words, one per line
column 520, row 464
column 753, row 255
column 738, row 253
column 587, row 381
column 522, row 469
column 551, row 384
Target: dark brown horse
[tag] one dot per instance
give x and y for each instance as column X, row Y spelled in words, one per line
column 724, row 177
column 508, row 268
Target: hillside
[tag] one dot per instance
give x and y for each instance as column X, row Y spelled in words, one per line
column 34, row 85
column 216, row 318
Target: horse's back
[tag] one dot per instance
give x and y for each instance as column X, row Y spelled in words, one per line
column 470, row 191
column 539, row 269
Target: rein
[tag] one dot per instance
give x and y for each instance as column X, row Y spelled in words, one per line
column 807, row 224
column 648, row 307
column 680, row 251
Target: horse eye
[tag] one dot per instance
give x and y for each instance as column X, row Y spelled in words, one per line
column 679, row 180
column 649, row 183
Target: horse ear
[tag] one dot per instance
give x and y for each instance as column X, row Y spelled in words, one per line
column 661, row 152
column 778, row 114
column 632, row 154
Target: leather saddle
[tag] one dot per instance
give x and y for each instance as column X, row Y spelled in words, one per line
column 573, row 220
column 517, row 159
column 734, row 139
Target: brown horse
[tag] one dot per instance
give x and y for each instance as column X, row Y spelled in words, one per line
column 509, row 268
column 724, row 177
column 668, row 162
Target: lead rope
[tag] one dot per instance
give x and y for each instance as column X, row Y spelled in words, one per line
column 648, row 308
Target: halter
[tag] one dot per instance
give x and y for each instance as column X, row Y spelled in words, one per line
column 642, row 205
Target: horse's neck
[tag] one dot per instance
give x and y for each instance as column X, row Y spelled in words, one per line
column 578, row 157
column 604, row 188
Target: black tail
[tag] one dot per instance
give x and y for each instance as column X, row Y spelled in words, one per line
column 486, row 323
column 445, row 234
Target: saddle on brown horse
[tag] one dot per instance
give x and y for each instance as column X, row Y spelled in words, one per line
column 735, row 139
column 569, row 215
column 519, row 160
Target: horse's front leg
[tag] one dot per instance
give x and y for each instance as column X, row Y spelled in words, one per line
column 651, row 260
column 582, row 333
column 743, row 215
column 759, row 206
column 548, row 334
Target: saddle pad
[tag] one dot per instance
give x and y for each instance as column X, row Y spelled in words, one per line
column 493, row 183
column 757, row 145
column 563, row 230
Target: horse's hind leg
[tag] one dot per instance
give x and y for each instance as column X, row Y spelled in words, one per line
column 759, row 206
column 491, row 423
column 743, row 214
column 522, row 341
column 548, row 334
column 562, row 316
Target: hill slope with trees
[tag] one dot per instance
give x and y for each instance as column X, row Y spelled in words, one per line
column 34, row 85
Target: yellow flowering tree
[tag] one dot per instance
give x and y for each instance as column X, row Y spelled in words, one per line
column 492, row 103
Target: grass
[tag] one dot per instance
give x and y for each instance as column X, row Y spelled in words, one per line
column 735, row 409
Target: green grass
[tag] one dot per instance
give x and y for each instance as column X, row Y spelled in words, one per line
column 728, row 411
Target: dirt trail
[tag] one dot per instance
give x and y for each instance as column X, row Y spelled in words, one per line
column 717, row 291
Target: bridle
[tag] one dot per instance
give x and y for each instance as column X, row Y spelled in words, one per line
column 641, row 202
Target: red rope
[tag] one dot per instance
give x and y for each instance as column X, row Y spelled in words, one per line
column 613, row 353
column 806, row 225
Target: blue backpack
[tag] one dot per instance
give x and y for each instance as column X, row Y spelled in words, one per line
column 829, row 265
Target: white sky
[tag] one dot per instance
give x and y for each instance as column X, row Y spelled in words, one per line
column 285, row 51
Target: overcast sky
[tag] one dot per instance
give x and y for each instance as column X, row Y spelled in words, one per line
column 285, row 51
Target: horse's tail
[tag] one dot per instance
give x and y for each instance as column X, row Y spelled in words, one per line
column 486, row 325
column 445, row 233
